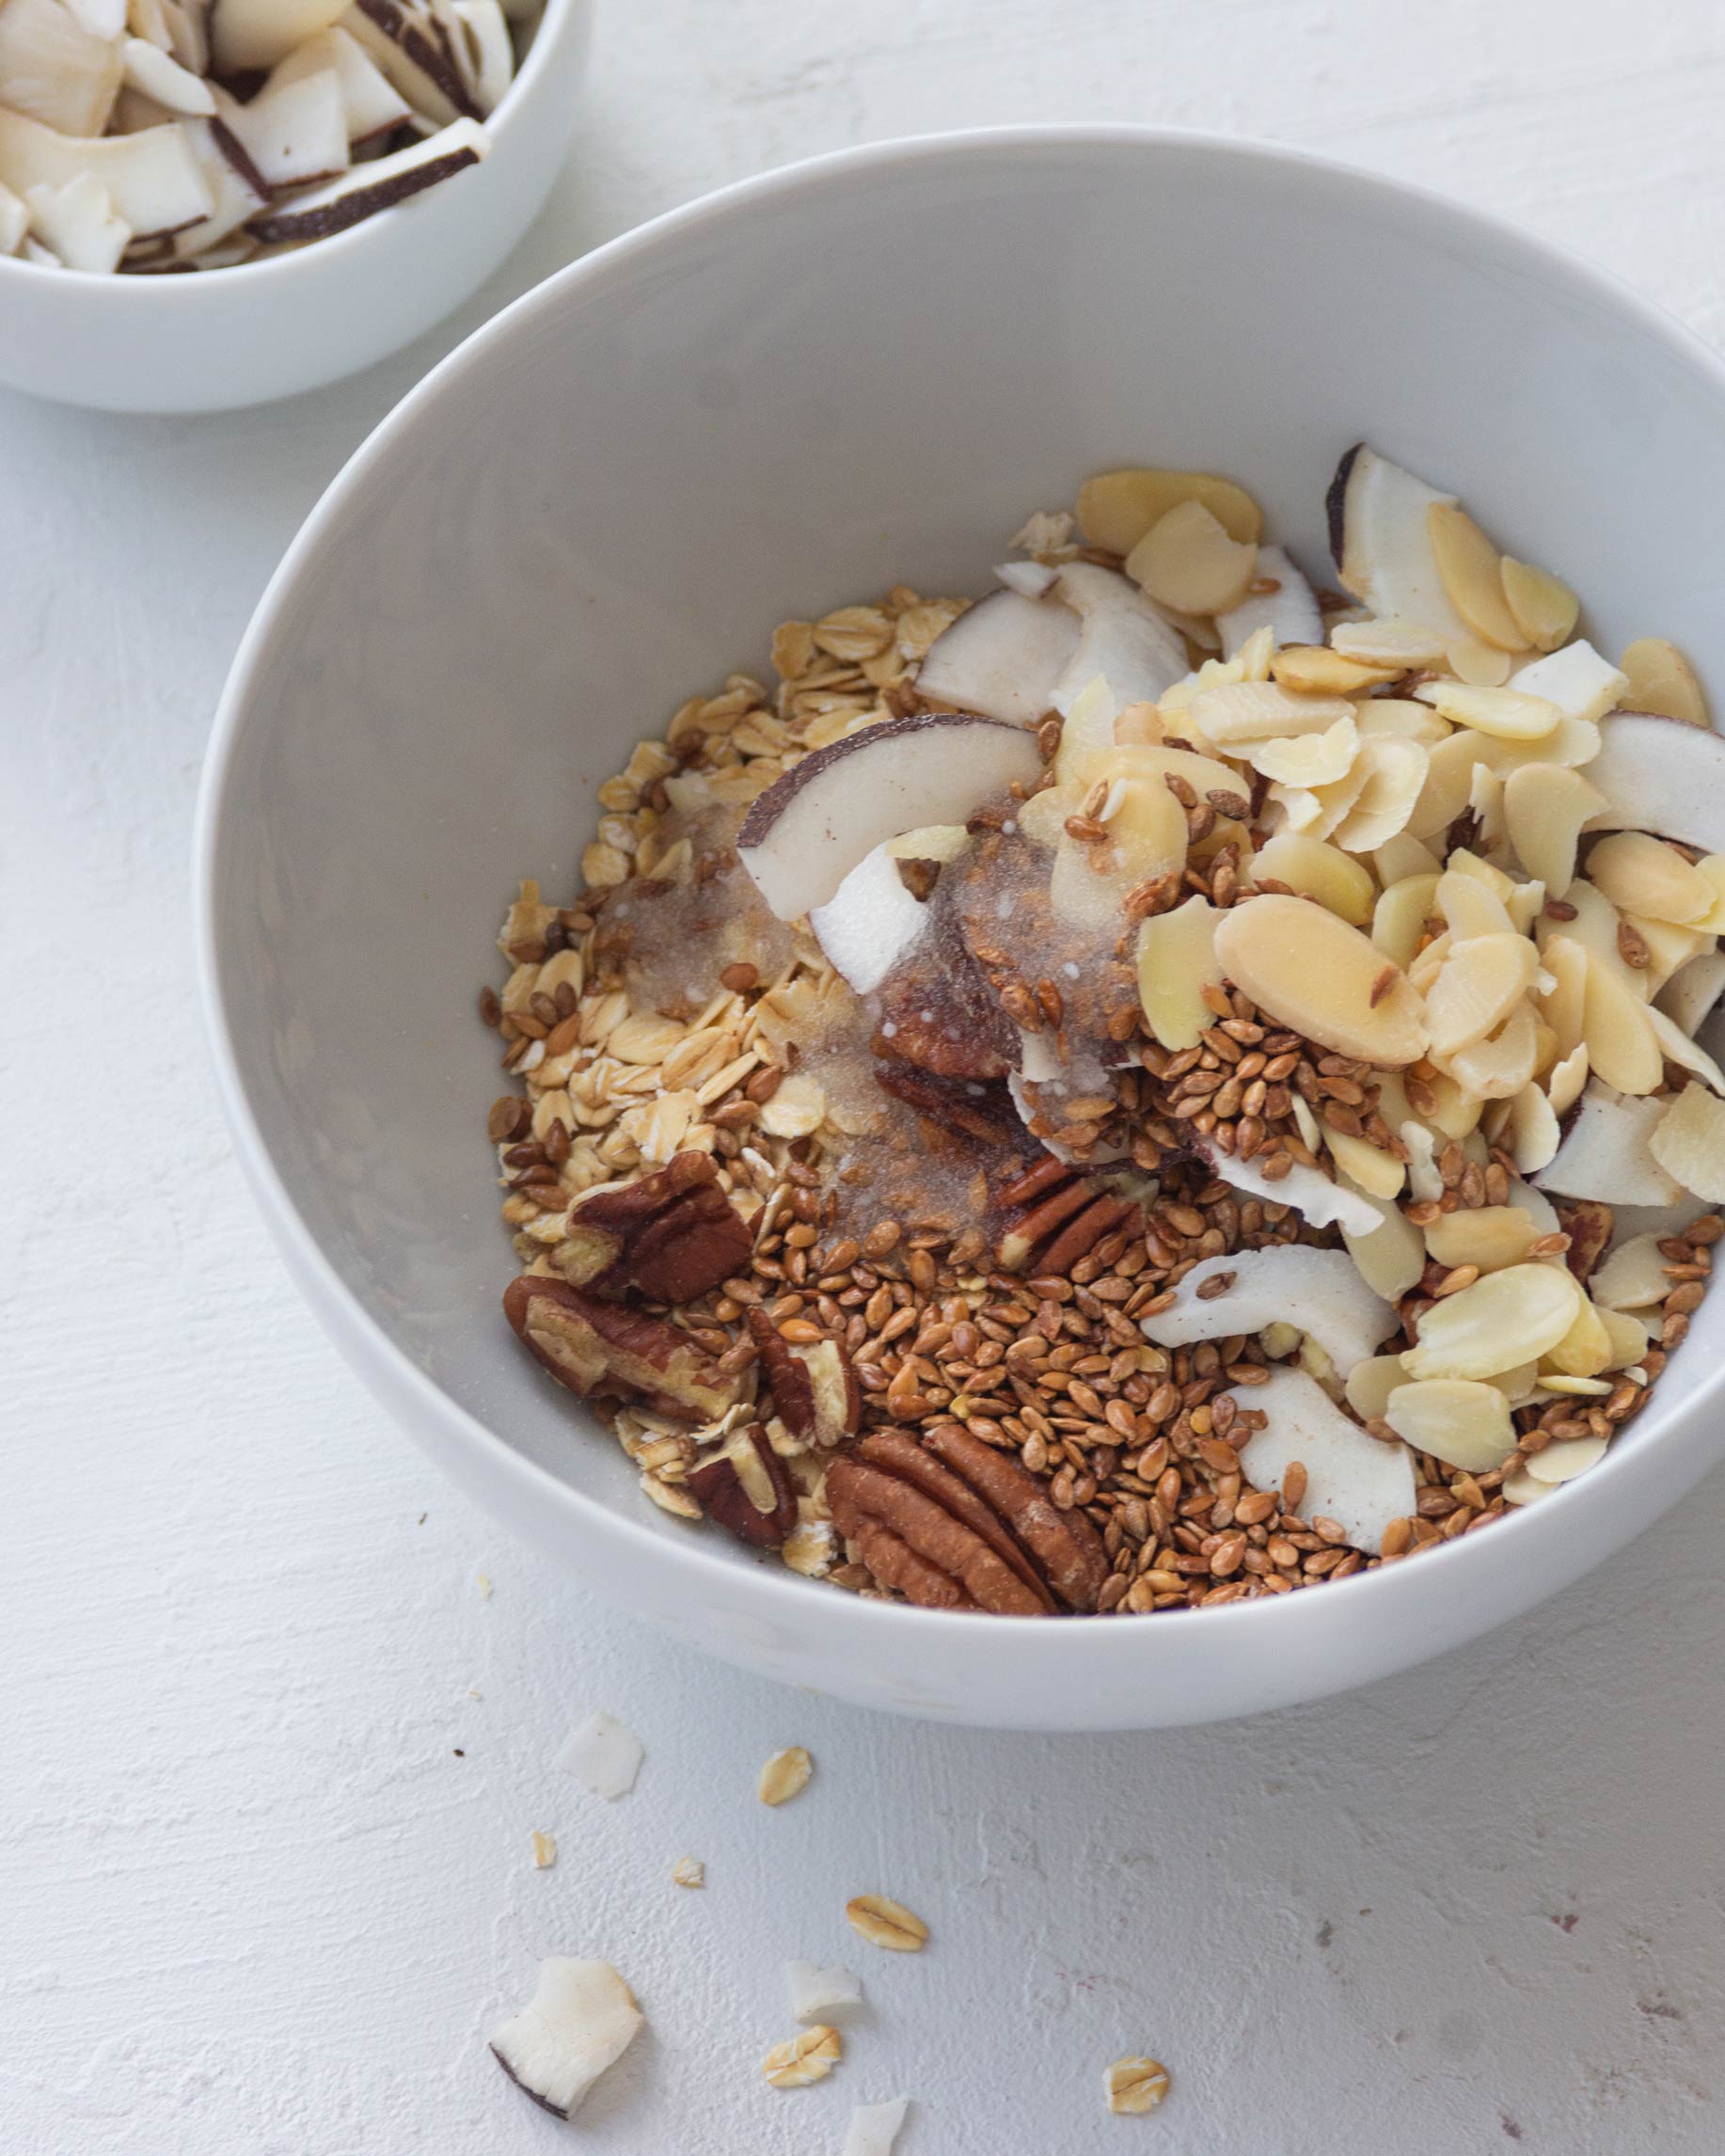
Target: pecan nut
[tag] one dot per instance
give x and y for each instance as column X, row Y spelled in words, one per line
column 746, row 1489
column 813, row 1385
column 953, row 1524
column 970, row 1108
column 671, row 1236
column 1060, row 1216
column 938, row 1012
column 604, row 1350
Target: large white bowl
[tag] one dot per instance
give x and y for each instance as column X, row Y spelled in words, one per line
column 796, row 393
column 217, row 339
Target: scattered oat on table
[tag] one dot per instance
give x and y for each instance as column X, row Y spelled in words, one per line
column 1136, row 2084
column 786, row 1775
column 481, row 1580
column 544, row 1850
column 808, row 2057
column 887, row 1923
column 688, row 1872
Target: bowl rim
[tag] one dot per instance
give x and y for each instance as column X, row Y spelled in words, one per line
column 547, row 34
column 697, row 1560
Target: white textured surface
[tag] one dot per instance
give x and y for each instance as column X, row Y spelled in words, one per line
column 253, row 1899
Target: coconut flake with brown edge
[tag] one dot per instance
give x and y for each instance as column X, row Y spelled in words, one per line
column 813, row 825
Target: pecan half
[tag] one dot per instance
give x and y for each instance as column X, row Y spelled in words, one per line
column 970, row 1108
column 606, row 1352
column 938, row 1010
column 953, row 1524
column 746, row 1488
column 813, row 1385
column 1061, row 1215
column 672, row 1236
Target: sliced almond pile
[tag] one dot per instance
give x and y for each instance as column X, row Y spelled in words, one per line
column 181, row 136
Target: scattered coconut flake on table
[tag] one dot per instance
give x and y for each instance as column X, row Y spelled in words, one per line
column 874, row 2128
column 603, row 1754
column 816, row 1991
column 580, row 2019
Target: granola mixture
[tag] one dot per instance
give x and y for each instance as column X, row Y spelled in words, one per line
column 1246, row 1128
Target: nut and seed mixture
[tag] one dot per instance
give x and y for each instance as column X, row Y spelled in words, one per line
column 1249, row 1130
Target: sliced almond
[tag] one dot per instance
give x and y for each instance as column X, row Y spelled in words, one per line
column 1507, row 714
column 1477, row 987
column 1404, row 717
column 1479, row 664
column 1688, row 1143
column 1317, row 871
column 1596, row 926
column 1543, row 609
column 1546, row 808
column 1176, row 961
column 1669, row 947
column 1312, row 972
column 1378, row 1173
column 1488, row 1236
column 1391, row 1258
column 1584, row 1350
column 1502, row 1065
column 1370, row 1384
column 1457, row 1420
column 1566, row 1459
column 1502, row 1319
column 1472, row 571
column 1622, row 1050
column 1661, row 679
column 1641, row 874
column 1633, row 1277
column 1239, row 711
column 1473, row 897
column 1534, row 1132
column 1395, row 772
column 1187, row 561
column 1520, row 1488
column 1311, row 670
column 1390, row 642
column 1399, row 919
column 1117, row 508
column 1307, row 759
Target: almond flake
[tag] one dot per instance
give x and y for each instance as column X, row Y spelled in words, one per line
column 1543, row 609
column 1187, row 561
column 1315, row 870
column 1641, row 874
column 1176, row 961
column 1479, row 664
column 1459, row 1421
column 1314, row 974
column 1136, row 2084
column 1240, row 711
column 1688, row 1143
column 887, row 1923
column 1502, row 1319
column 807, row 2057
column 1471, row 568
column 1505, row 714
column 1633, row 1277
column 1310, row 670
column 1546, row 808
column 1117, row 508
column 1478, row 986
column 1307, row 759
column 786, row 1775
column 1566, row 1459
column 1622, row 1049
column 1660, row 678
column 1390, row 642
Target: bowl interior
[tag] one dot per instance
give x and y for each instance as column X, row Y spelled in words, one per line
column 796, row 397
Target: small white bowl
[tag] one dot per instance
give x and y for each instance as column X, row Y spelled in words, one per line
column 217, row 338
column 796, row 393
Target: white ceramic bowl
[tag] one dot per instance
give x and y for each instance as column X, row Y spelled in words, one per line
column 796, row 393
column 265, row 329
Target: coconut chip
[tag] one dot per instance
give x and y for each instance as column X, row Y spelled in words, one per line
column 603, row 1755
